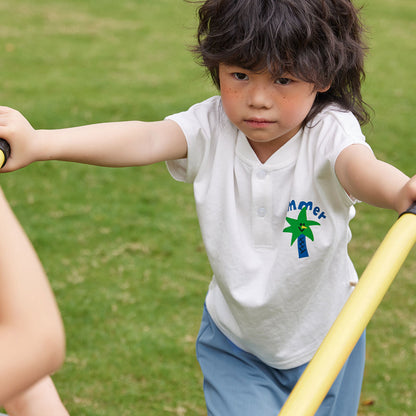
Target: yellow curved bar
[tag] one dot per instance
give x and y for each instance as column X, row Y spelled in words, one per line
column 323, row 369
column 2, row 158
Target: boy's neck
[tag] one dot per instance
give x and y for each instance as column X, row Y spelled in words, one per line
column 264, row 150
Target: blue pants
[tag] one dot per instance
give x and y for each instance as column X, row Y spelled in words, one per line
column 237, row 383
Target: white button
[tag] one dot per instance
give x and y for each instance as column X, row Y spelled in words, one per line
column 261, row 212
column 261, row 174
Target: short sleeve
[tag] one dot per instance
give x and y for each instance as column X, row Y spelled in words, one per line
column 199, row 125
column 338, row 130
column 335, row 129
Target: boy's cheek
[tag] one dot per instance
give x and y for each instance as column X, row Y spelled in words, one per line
column 230, row 104
column 230, row 94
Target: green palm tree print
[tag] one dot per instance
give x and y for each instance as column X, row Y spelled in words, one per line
column 300, row 229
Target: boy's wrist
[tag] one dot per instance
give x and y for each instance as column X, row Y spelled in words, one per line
column 41, row 146
column 404, row 198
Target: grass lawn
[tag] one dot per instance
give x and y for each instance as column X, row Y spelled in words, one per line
column 122, row 247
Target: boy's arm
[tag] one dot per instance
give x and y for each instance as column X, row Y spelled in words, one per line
column 41, row 399
column 129, row 143
column 373, row 181
column 31, row 331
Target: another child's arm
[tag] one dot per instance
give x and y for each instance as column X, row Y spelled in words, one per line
column 129, row 143
column 31, row 331
column 373, row 181
column 41, row 399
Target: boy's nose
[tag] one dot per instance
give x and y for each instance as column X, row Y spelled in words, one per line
column 259, row 97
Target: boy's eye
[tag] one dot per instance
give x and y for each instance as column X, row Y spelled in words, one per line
column 283, row 81
column 239, row 76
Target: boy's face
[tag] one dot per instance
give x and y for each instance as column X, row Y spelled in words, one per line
column 268, row 111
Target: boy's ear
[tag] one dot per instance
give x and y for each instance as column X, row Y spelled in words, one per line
column 325, row 89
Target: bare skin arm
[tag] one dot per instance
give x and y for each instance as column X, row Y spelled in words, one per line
column 31, row 331
column 373, row 181
column 41, row 399
column 129, row 143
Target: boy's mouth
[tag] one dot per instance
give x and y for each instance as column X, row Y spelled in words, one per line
column 258, row 122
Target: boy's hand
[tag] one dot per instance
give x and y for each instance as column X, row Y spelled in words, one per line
column 408, row 194
column 17, row 131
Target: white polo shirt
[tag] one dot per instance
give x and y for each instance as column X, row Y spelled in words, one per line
column 276, row 234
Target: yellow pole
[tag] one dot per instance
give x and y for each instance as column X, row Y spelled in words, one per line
column 323, row 369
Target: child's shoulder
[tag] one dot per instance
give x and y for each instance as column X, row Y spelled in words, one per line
column 337, row 116
column 334, row 118
column 333, row 129
column 210, row 104
column 202, row 108
column 207, row 115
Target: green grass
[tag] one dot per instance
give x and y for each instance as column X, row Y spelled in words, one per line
column 122, row 246
column 391, row 348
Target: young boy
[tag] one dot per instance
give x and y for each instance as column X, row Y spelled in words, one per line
column 277, row 159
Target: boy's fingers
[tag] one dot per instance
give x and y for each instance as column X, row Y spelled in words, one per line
column 5, row 109
column 5, row 113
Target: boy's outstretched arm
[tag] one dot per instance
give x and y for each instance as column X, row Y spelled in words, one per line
column 373, row 181
column 129, row 143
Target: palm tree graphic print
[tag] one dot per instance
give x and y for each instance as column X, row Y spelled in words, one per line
column 300, row 229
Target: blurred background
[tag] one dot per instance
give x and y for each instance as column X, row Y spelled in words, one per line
column 122, row 247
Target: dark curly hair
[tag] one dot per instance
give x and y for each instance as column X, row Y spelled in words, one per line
column 318, row 41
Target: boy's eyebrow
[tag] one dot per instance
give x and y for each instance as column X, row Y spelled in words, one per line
column 243, row 69
column 284, row 74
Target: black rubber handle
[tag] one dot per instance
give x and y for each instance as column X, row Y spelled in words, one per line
column 5, row 149
column 410, row 210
